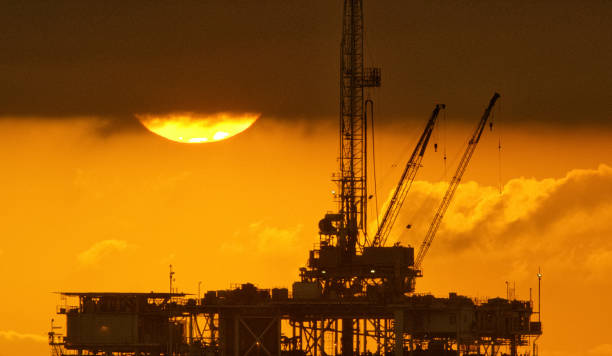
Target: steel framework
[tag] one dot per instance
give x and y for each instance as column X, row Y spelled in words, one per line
column 353, row 130
column 251, row 321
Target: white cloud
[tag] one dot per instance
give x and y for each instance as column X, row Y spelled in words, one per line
column 100, row 250
column 12, row 335
column 277, row 239
column 264, row 239
column 529, row 215
column 601, row 350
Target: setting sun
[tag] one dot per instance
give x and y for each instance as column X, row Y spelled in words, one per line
column 197, row 128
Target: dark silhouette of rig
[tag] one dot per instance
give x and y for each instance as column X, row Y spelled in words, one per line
column 355, row 297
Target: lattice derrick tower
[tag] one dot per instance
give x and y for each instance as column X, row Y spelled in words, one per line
column 353, row 130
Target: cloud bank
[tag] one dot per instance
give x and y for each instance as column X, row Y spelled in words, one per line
column 12, row 335
column 528, row 217
column 264, row 240
column 602, row 350
column 101, row 250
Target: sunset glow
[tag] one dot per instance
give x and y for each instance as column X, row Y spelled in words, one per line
column 197, row 128
column 247, row 210
column 306, row 178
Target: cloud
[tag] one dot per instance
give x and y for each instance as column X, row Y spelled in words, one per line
column 603, row 350
column 563, row 220
column 100, row 250
column 265, row 239
column 151, row 68
column 12, row 335
column 277, row 239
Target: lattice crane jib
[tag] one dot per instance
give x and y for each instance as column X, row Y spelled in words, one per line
column 452, row 187
column 403, row 187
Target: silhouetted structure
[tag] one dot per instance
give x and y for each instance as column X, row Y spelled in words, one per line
column 252, row 321
column 355, row 297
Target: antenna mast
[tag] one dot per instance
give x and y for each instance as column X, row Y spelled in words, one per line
column 171, row 277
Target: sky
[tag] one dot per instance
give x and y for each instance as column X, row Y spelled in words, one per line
column 113, row 59
column 95, row 202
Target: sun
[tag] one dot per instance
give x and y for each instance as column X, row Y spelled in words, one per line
column 197, row 128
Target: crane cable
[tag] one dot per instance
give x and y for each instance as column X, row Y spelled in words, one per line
column 444, row 128
column 454, row 184
column 427, row 200
column 499, row 149
column 373, row 160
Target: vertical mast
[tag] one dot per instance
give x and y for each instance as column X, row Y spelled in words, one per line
column 353, row 165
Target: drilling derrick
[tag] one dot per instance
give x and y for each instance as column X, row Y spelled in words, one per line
column 347, row 263
column 353, row 153
column 335, row 267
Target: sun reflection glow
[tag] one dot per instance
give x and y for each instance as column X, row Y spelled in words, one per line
column 197, row 128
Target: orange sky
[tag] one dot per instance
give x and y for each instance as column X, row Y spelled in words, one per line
column 85, row 212
column 104, row 205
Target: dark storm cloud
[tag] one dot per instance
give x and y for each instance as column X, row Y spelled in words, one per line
column 111, row 59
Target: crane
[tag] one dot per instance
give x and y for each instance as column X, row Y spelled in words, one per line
column 452, row 187
column 405, row 182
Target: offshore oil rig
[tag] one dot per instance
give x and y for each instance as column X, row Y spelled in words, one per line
column 356, row 296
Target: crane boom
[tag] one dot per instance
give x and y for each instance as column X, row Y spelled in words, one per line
column 433, row 228
column 405, row 182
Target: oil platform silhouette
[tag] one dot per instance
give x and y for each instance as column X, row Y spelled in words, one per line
column 356, row 296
